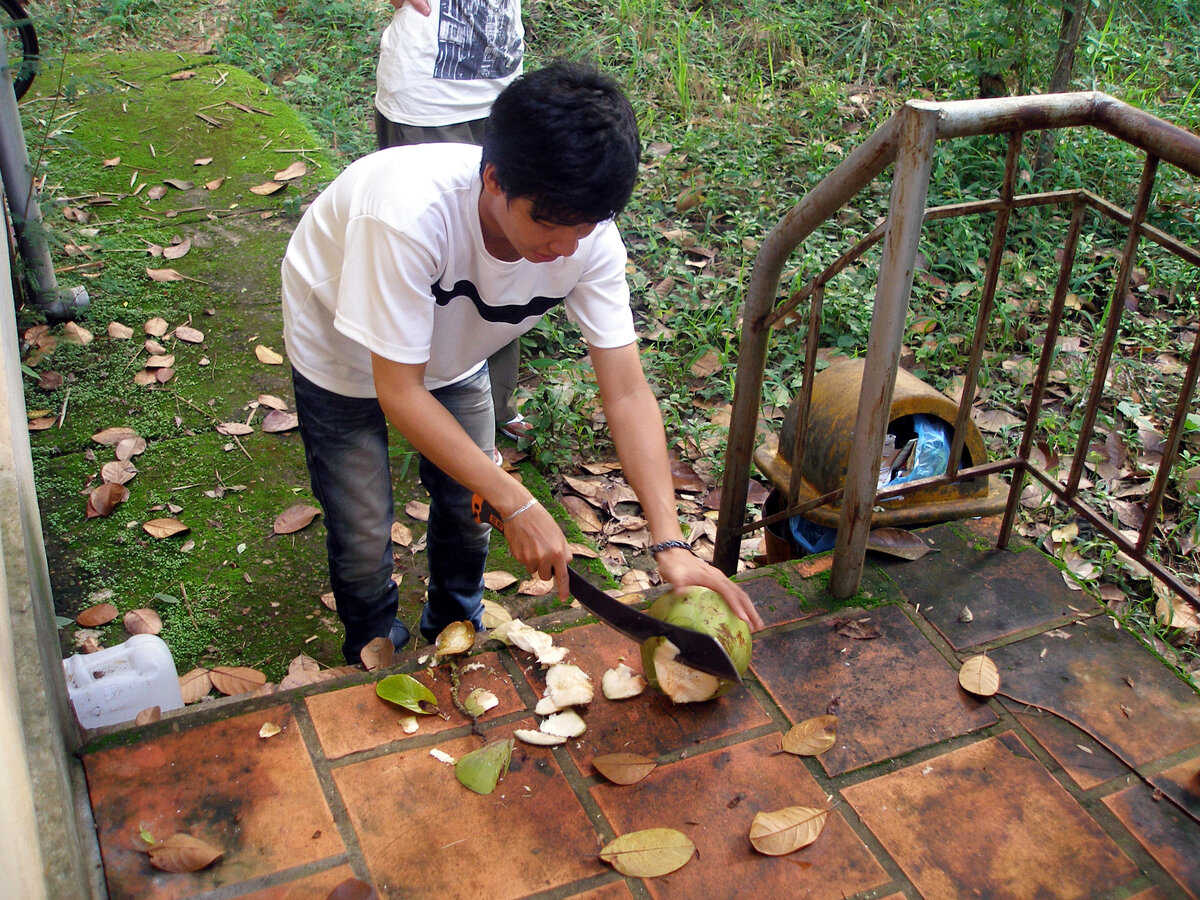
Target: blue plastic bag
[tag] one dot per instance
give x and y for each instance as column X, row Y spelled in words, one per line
column 931, row 454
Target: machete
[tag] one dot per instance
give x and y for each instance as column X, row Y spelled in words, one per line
column 696, row 649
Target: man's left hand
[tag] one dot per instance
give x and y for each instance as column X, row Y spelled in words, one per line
column 683, row 569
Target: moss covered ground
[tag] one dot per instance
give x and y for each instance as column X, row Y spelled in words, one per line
column 125, row 129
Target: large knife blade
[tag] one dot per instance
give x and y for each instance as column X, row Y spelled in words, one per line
column 696, row 649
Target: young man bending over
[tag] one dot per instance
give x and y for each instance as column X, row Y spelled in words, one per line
column 412, row 267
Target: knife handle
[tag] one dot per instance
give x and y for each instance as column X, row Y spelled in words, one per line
column 485, row 513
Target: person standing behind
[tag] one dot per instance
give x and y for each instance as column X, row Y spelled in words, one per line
column 440, row 68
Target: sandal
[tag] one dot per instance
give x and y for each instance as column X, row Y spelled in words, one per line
column 516, row 428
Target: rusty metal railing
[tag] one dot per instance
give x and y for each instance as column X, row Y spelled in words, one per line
column 907, row 141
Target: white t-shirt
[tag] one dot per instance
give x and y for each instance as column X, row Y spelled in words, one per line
column 449, row 66
column 390, row 259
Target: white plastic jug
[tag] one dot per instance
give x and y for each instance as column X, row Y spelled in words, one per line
column 115, row 684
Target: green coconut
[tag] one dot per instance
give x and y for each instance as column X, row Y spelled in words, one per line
column 702, row 610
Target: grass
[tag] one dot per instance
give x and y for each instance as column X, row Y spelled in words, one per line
column 744, row 106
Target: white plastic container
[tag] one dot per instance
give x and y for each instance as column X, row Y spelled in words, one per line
column 115, row 684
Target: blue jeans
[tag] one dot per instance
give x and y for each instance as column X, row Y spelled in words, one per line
column 346, row 449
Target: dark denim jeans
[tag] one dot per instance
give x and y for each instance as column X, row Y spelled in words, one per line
column 346, row 449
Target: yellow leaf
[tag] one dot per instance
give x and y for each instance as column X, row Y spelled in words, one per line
column 268, row 356
column 979, row 676
column 649, row 853
column 785, row 830
column 268, row 730
column 812, row 736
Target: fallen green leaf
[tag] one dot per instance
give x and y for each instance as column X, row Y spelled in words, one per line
column 480, row 769
column 406, row 691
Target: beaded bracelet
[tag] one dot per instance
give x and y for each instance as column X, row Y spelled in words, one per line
column 670, row 545
column 531, row 502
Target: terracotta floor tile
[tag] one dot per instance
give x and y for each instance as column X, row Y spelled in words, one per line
column 1091, row 673
column 1006, row 590
column 258, row 799
column 311, row 887
column 649, row 724
column 1150, row 894
column 713, row 798
column 354, row 718
column 893, row 693
column 775, row 603
column 617, row 890
column 425, row 835
column 987, row 820
column 1182, row 784
column 1085, row 760
column 1168, row 833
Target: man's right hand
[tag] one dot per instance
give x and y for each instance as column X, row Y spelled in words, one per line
column 421, row 6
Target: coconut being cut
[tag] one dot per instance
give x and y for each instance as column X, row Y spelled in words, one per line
column 699, row 609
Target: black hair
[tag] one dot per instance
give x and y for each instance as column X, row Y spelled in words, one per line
column 565, row 138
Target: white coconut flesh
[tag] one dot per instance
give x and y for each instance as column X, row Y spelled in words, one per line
column 567, row 724
column 568, row 685
column 621, row 683
column 681, row 683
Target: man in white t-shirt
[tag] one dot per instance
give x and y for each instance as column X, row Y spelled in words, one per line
column 411, row 268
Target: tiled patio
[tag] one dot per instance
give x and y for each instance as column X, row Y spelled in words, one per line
column 1081, row 781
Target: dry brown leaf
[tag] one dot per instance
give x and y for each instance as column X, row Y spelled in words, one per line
column 377, row 654
column 195, row 684
column 268, row 356
column 536, row 587
column 104, row 499
column 294, row 518
column 110, row 437
column 267, row 188
column 202, row 161
column 706, row 364
column 271, row 401
column 156, row 327
column 329, row 601
column 180, row 184
column 402, row 535
column 649, row 853
column 417, row 510
column 154, row 348
column 582, row 550
column 129, row 447
column 76, row 334
column 163, row 528
column 277, row 421
column 163, row 275
column 148, row 716
column 498, row 581
column 811, row 737
column 183, row 853
column 295, row 170
column 624, row 768
column 979, row 676
column 234, row 429
column 353, row 889
column 177, row 251
column 897, row 542
column 582, row 513
column 161, row 361
column 785, row 830
column 189, row 334
column 215, row 183
column 118, row 471
column 234, row 680
column 142, row 621
column 95, row 616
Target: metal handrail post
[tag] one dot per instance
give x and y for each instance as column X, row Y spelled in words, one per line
column 910, row 188
column 16, row 174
